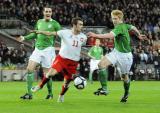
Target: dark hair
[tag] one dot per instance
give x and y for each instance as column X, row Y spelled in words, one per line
column 47, row 7
column 75, row 20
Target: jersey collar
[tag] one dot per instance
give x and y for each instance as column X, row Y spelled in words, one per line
column 49, row 20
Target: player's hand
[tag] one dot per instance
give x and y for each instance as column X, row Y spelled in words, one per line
column 33, row 31
column 19, row 39
column 91, row 34
column 142, row 37
column 41, row 32
column 47, row 33
column 38, row 32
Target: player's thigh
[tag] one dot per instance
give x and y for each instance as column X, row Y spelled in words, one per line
column 94, row 64
column 48, row 57
column 36, row 56
column 31, row 65
column 51, row 72
column 125, row 63
column 109, row 59
column 105, row 62
column 45, row 70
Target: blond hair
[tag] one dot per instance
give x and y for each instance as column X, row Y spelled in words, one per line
column 118, row 13
column 98, row 39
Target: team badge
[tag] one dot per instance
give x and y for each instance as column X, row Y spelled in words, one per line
column 49, row 26
column 81, row 39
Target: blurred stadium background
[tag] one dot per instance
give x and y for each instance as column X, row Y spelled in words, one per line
column 18, row 15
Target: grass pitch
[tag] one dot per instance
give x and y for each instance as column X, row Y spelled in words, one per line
column 144, row 98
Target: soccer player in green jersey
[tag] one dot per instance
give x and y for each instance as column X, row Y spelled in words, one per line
column 44, row 52
column 95, row 53
column 121, row 54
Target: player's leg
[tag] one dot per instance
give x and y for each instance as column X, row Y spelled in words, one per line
column 65, row 87
column 50, row 73
column 69, row 71
column 90, row 76
column 49, row 85
column 103, row 76
column 30, row 78
column 47, row 59
column 126, row 85
column 125, row 62
column 92, row 66
column 56, row 67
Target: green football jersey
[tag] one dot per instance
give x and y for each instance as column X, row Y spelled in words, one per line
column 122, row 38
column 96, row 52
column 43, row 41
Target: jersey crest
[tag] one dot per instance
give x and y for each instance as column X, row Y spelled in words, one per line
column 81, row 39
column 49, row 26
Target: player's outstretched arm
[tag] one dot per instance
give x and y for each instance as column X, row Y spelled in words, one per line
column 107, row 35
column 29, row 30
column 47, row 33
column 139, row 35
column 91, row 56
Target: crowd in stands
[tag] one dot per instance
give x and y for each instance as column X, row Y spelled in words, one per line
column 144, row 14
column 11, row 56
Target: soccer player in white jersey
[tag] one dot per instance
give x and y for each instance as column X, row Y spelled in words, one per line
column 67, row 61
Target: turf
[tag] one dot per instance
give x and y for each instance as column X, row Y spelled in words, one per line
column 144, row 98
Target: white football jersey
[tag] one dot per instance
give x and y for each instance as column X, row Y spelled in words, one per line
column 71, row 44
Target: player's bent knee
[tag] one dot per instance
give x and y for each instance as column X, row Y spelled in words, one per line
column 29, row 70
column 125, row 77
column 101, row 66
column 66, row 85
column 51, row 72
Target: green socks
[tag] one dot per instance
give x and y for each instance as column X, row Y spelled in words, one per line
column 90, row 76
column 30, row 78
column 49, row 86
column 103, row 77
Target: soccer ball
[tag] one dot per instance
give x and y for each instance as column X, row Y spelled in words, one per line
column 80, row 82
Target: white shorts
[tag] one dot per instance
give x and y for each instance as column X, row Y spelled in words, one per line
column 122, row 60
column 44, row 57
column 94, row 64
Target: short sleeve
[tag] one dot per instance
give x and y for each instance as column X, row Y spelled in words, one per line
column 129, row 26
column 85, row 41
column 116, row 31
column 57, row 26
column 102, row 50
column 90, row 51
column 36, row 25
